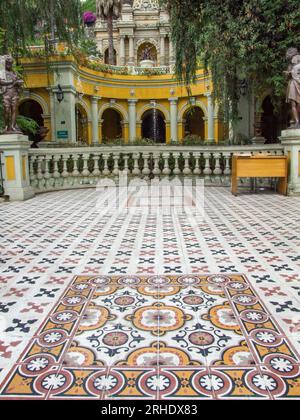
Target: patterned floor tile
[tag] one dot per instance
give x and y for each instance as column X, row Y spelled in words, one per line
column 128, row 337
column 57, row 236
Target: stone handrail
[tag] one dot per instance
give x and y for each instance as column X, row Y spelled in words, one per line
column 68, row 168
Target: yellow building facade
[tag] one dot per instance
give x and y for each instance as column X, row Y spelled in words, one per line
column 99, row 106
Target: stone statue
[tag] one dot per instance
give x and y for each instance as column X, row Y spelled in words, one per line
column 147, row 53
column 293, row 92
column 11, row 87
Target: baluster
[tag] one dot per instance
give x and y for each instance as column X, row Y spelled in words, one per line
column 166, row 170
column 40, row 176
column 156, row 169
column 116, row 165
column 126, row 168
column 32, row 175
column 56, row 174
column 76, row 173
column 96, row 171
column 207, row 170
column 177, row 170
column 47, row 175
column 65, row 173
column 85, row 173
column 197, row 170
column 136, row 169
column 218, row 170
column 227, row 170
column 106, row 170
column 186, row 170
column 146, row 170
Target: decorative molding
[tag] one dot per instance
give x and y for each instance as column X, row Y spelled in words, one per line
column 146, row 5
column 117, row 107
column 31, row 96
column 188, row 105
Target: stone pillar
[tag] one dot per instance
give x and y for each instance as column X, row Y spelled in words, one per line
column 162, row 50
column 290, row 139
column 132, row 119
column 173, row 119
column 210, row 119
column 131, row 61
column 95, row 122
column 65, row 117
column 122, row 50
column 15, row 148
column 52, row 114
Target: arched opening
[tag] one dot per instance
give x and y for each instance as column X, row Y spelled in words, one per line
column 106, row 57
column 112, row 125
column 269, row 121
column 147, row 51
column 272, row 121
column 81, row 124
column 154, row 126
column 194, row 122
column 32, row 109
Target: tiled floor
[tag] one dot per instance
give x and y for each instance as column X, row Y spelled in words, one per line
column 139, row 313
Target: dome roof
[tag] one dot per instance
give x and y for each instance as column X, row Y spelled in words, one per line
column 145, row 5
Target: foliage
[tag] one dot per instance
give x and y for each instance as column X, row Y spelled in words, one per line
column 25, row 21
column 89, row 5
column 236, row 40
column 27, row 125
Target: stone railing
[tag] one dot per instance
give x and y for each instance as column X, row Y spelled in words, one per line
column 58, row 169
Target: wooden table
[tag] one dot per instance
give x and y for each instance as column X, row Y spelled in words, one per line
column 260, row 166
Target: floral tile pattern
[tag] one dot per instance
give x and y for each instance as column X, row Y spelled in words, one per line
column 157, row 337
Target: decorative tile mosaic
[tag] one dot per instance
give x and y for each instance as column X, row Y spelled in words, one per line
column 157, row 337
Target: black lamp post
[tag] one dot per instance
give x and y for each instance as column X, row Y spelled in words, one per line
column 60, row 94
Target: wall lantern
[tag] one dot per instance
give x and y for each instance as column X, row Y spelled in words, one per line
column 60, row 94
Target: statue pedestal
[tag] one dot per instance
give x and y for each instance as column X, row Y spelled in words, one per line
column 14, row 149
column 290, row 139
column 147, row 63
column 259, row 140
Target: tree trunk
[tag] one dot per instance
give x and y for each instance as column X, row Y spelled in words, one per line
column 110, row 29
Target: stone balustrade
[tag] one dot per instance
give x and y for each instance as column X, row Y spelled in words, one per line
column 56, row 169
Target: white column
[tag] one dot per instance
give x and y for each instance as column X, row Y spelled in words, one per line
column 174, row 119
column 162, row 51
column 290, row 139
column 132, row 119
column 122, row 50
column 95, row 121
column 210, row 118
column 52, row 115
column 131, row 61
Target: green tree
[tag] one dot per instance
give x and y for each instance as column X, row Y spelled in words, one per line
column 22, row 22
column 89, row 6
column 109, row 10
column 235, row 40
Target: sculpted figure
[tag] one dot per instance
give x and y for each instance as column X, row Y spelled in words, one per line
column 11, row 87
column 293, row 92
